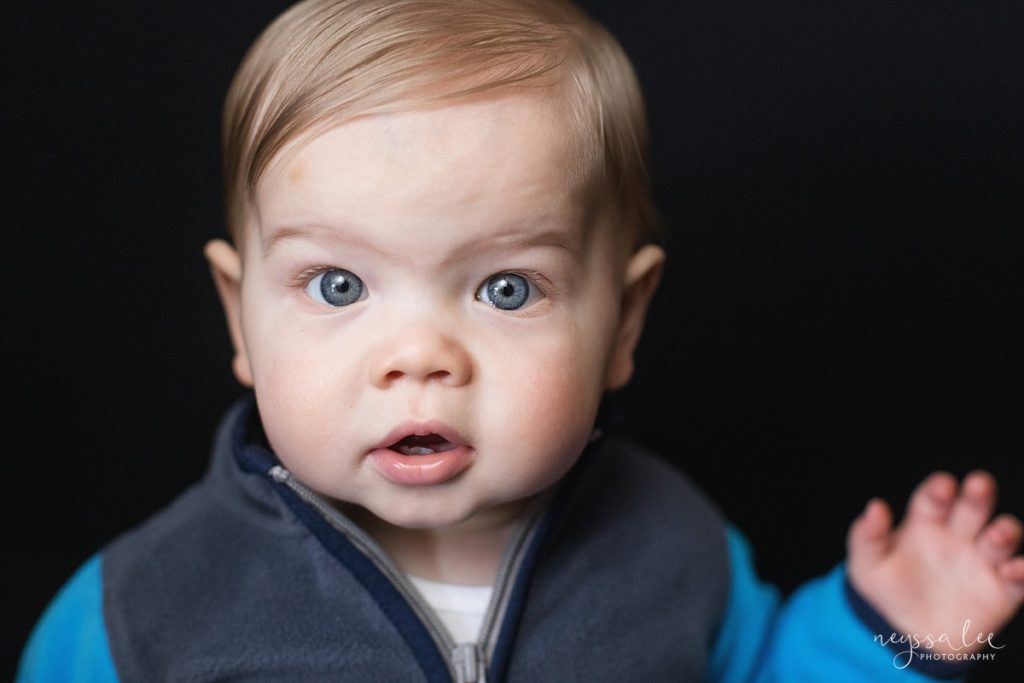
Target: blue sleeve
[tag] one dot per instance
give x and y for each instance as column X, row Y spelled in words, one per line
column 69, row 644
column 820, row 633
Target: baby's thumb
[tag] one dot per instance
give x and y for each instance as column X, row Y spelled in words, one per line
column 870, row 535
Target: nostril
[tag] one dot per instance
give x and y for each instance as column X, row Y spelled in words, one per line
column 422, row 363
column 436, row 375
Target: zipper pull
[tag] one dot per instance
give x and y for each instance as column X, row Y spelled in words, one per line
column 469, row 664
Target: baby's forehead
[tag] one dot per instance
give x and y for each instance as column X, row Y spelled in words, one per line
column 510, row 156
column 443, row 129
column 494, row 168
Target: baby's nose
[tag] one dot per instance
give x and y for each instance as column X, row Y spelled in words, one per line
column 422, row 355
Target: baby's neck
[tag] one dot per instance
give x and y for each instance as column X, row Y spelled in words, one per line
column 467, row 553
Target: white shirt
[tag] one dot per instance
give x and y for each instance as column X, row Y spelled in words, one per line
column 461, row 608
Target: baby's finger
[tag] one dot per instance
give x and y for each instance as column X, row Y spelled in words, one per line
column 932, row 498
column 869, row 538
column 974, row 505
column 1013, row 571
column 1000, row 539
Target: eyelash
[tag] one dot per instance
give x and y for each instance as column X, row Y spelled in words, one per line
column 535, row 278
column 300, row 280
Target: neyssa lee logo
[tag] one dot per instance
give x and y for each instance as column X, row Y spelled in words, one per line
column 914, row 642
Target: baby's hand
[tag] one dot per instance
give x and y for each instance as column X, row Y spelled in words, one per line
column 945, row 563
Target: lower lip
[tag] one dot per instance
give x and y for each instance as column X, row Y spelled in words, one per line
column 421, row 470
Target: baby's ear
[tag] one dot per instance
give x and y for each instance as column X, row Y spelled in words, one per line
column 643, row 272
column 226, row 268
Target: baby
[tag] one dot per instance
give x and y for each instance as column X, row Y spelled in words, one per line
column 442, row 254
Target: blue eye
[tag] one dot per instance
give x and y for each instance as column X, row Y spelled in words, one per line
column 506, row 291
column 336, row 287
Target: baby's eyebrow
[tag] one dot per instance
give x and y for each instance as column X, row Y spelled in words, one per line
column 566, row 240
column 523, row 240
column 279, row 235
column 316, row 233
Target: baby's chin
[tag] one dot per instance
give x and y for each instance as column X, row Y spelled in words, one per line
column 421, row 519
column 437, row 514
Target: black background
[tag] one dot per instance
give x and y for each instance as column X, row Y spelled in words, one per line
column 841, row 183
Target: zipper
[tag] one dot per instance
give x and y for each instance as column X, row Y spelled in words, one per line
column 467, row 662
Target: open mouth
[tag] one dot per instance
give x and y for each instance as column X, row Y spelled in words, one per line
column 421, row 453
column 422, row 445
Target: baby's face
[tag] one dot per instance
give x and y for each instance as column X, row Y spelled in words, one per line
column 427, row 314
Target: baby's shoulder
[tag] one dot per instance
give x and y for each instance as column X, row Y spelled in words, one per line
column 198, row 536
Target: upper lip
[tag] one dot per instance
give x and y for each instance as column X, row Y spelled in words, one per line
column 420, row 428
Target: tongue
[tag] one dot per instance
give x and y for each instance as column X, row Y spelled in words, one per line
column 414, row 450
column 423, row 445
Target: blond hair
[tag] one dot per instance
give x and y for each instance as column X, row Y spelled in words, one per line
column 323, row 62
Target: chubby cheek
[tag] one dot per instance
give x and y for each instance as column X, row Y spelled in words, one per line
column 547, row 411
column 289, row 414
column 299, row 410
